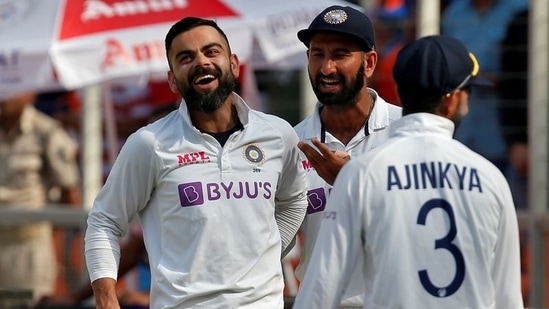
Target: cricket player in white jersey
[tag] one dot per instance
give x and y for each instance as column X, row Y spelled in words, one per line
column 341, row 58
column 435, row 220
column 218, row 188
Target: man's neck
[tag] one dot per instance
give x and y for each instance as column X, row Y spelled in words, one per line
column 344, row 123
column 223, row 119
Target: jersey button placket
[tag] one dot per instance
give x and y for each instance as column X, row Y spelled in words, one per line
column 226, row 157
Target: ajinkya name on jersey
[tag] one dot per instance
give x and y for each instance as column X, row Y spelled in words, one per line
column 425, row 175
column 417, row 176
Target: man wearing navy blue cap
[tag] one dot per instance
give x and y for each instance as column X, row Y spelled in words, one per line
column 434, row 220
column 341, row 58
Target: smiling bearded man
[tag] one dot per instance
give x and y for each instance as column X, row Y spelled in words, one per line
column 218, row 188
column 208, row 101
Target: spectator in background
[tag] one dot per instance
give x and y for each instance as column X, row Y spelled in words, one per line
column 513, row 93
column 133, row 257
column 63, row 106
column 36, row 155
column 481, row 26
column 392, row 30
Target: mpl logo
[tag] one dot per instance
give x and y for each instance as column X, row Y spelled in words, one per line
column 194, row 194
column 193, row 158
column 317, row 200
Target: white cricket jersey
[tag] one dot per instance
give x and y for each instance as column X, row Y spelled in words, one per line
column 434, row 220
column 382, row 114
column 207, row 212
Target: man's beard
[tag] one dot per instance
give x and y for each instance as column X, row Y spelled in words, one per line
column 210, row 101
column 348, row 96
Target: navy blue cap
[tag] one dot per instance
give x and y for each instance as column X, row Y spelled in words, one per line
column 436, row 65
column 344, row 20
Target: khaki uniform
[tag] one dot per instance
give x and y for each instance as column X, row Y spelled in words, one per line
column 34, row 157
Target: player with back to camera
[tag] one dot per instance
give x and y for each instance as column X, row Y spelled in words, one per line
column 434, row 220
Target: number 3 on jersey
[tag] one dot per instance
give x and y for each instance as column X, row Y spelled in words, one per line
column 443, row 243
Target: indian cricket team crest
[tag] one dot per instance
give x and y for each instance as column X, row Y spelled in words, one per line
column 254, row 154
column 335, row 17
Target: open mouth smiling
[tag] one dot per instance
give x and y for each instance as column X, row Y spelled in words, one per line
column 329, row 83
column 204, row 79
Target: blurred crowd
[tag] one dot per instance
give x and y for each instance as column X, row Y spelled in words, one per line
column 40, row 155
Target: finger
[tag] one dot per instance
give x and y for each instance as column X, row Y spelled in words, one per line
column 342, row 155
column 312, row 155
column 324, row 150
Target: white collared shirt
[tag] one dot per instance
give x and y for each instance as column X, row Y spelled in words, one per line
column 207, row 211
column 382, row 115
column 434, row 221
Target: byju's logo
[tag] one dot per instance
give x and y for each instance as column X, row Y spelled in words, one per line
column 317, row 200
column 190, row 194
column 194, row 194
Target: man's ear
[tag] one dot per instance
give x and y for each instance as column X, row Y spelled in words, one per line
column 448, row 105
column 235, row 65
column 370, row 62
column 172, row 82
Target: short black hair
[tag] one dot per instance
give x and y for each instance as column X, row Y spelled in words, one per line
column 188, row 23
column 414, row 101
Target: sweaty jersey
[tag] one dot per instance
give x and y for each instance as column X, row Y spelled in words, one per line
column 382, row 114
column 207, row 212
column 434, row 220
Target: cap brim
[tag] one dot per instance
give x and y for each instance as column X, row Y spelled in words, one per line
column 479, row 81
column 305, row 36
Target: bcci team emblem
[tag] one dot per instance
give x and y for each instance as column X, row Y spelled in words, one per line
column 335, row 17
column 253, row 154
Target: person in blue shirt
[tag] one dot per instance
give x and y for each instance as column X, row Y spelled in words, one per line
column 481, row 26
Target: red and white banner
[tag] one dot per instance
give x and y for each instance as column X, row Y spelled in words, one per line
column 75, row 43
